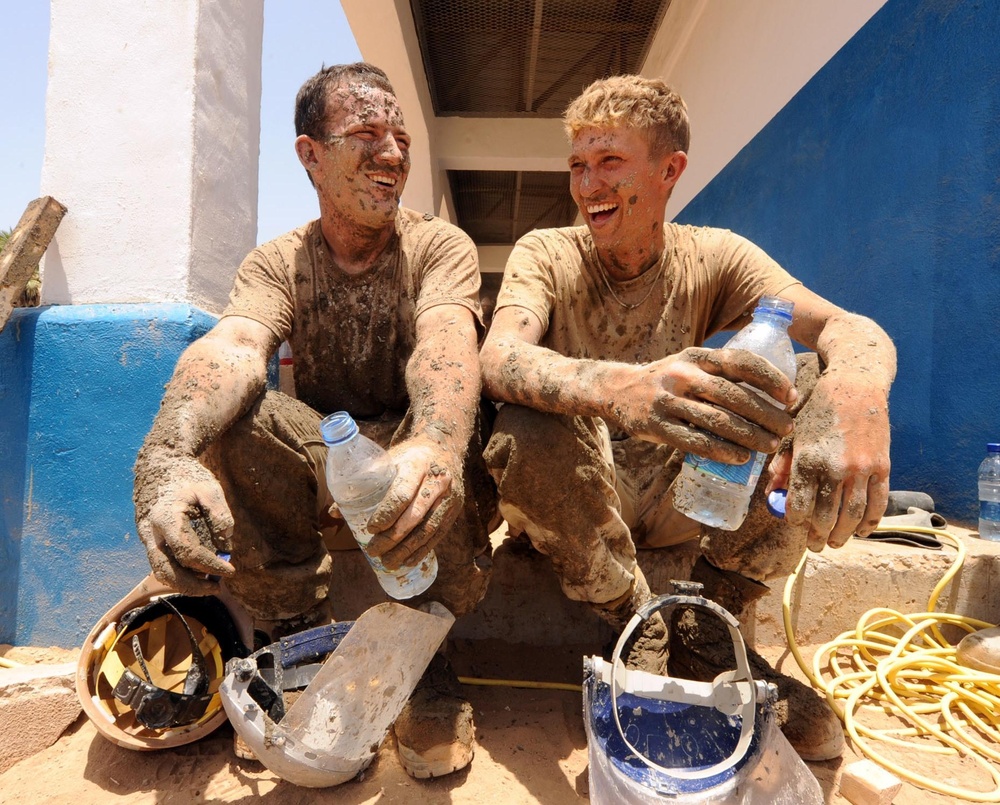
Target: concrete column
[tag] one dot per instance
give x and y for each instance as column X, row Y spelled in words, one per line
column 152, row 139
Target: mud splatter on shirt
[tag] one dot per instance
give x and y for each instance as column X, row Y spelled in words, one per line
column 711, row 279
column 352, row 335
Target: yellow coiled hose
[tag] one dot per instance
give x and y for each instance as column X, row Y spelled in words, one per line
column 904, row 665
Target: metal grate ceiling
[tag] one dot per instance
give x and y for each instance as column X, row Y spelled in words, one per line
column 507, row 58
column 523, row 58
column 500, row 206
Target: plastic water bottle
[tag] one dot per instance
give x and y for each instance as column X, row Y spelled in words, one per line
column 359, row 474
column 989, row 494
column 718, row 494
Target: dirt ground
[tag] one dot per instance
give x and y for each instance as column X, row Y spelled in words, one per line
column 531, row 748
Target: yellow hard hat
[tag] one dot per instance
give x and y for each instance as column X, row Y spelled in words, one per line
column 149, row 671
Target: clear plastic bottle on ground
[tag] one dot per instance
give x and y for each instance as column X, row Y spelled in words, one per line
column 359, row 473
column 989, row 494
column 718, row 494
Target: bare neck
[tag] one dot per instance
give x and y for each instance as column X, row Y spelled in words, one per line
column 355, row 248
column 626, row 263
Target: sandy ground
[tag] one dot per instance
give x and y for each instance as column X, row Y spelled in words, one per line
column 531, row 748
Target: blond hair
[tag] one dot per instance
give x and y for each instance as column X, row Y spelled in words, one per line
column 633, row 101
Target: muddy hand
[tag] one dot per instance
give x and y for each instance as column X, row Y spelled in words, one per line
column 837, row 471
column 185, row 527
column 422, row 503
column 693, row 401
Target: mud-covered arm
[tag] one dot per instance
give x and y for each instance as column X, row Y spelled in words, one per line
column 678, row 400
column 443, row 381
column 837, row 473
column 181, row 513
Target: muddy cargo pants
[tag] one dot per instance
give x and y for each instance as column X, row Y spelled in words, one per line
column 271, row 465
column 587, row 501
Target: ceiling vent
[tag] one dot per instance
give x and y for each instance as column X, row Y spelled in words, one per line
column 513, row 58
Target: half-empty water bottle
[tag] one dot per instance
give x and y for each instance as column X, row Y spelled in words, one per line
column 989, row 494
column 359, row 473
column 719, row 494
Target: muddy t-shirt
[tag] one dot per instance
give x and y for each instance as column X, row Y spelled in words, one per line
column 352, row 335
column 707, row 280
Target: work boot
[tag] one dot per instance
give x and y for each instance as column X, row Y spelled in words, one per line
column 701, row 648
column 435, row 732
column 270, row 631
column 647, row 650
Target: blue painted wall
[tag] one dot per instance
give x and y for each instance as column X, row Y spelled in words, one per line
column 79, row 386
column 878, row 186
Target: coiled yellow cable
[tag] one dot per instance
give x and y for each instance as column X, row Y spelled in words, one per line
column 903, row 664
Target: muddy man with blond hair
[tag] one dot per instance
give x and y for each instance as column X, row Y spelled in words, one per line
column 597, row 351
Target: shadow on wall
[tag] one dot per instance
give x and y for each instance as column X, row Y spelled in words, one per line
column 488, row 295
column 17, row 347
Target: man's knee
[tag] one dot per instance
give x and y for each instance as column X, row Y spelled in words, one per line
column 762, row 548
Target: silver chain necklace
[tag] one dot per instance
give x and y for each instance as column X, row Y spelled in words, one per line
column 626, row 305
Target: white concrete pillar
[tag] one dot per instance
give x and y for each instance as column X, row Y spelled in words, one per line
column 152, row 140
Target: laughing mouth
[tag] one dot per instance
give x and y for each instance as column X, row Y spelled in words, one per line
column 383, row 179
column 600, row 212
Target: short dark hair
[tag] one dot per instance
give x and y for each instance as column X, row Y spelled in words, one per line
column 310, row 103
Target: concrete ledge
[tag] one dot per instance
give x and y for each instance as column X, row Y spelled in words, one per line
column 524, row 605
column 838, row 587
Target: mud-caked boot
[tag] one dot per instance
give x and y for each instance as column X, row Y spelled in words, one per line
column 435, row 732
column 701, row 648
column 647, row 649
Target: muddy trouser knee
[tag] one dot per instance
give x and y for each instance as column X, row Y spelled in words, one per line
column 556, row 479
column 266, row 467
column 464, row 554
column 271, row 464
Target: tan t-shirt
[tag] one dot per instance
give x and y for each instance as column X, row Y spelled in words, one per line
column 710, row 280
column 351, row 336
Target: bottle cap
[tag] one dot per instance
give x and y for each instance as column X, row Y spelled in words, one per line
column 337, row 427
column 993, row 447
column 776, row 305
column 776, row 502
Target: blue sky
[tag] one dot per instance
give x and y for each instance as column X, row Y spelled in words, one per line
column 293, row 51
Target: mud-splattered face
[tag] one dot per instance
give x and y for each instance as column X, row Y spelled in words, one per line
column 363, row 162
column 619, row 187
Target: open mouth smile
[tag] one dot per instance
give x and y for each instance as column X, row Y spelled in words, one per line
column 383, row 179
column 601, row 212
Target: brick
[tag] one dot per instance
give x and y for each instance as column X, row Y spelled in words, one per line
column 37, row 703
column 866, row 783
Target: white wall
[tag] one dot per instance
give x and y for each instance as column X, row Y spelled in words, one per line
column 737, row 63
column 152, row 134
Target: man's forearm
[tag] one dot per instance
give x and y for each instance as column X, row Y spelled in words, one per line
column 213, row 385
column 856, row 344
column 443, row 381
column 527, row 374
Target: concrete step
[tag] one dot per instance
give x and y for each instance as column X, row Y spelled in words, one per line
column 526, row 608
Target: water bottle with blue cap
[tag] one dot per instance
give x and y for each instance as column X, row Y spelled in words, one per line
column 989, row 494
column 718, row 494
